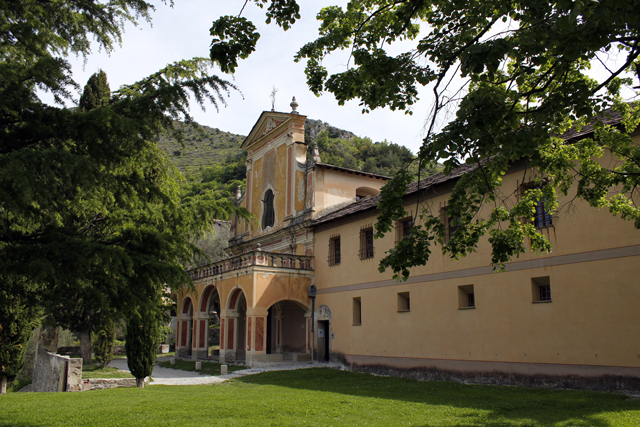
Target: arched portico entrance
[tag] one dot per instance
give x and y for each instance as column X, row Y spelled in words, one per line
column 208, row 315
column 185, row 332
column 233, row 328
column 287, row 329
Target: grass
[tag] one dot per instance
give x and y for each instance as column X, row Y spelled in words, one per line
column 321, row 397
column 208, row 368
column 93, row 370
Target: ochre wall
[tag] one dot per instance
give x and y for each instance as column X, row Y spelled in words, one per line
column 592, row 319
column 334, row 188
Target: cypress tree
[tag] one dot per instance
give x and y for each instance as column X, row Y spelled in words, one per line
column 142, row 339
column 96, row 92
column 105, row 337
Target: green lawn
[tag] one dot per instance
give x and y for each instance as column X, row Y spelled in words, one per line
column 93, row 371
column 320, row 397
column 208, row 368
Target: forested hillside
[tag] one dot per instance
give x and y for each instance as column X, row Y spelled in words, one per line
column 213, row 164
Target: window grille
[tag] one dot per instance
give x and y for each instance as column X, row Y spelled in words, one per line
column 334, row 250
column 545, row 293
column 472, row 299
column 268, row 216
column 466, row 297
column 366, row 242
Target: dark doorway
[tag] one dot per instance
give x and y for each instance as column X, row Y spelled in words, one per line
column 323, row 340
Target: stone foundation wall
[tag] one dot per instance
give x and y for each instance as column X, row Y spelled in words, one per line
column 54, row 373
column 103, row 383
column 598, row 381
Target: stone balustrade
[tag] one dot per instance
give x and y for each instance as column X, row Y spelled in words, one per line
column 253, row 258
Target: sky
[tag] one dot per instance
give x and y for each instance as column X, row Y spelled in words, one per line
column 182, row 32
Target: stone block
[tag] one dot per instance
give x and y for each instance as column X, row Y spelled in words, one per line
column 223, row 369
column 172, row 360
column 198, row 366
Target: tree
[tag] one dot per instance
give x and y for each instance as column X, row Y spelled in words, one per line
column 141, row 344
column 18, row 318
column 96, row 92
column 79, row 308
column 105, row 337
column 86, row 197
column 525, row 67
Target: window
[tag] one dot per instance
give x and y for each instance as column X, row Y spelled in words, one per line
column 450, row 224
column 334, row 250
column 366, row 242
column 466, row 297
column 542, row 217
column 357, row 311
column 541, row 289
column 403, row 228
column 404, row 301
column 268, row 216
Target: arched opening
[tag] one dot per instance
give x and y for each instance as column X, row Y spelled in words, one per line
column 287, row 329
column 186, row 327
column 364, row 192
column 210, row 307
column 237, row 326
column 268, row 212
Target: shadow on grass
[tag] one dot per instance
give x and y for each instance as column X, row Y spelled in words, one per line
column 498, row 405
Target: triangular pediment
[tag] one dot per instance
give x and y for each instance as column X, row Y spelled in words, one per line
column 267, row 124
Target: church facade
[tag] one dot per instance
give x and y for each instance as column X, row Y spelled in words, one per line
column 567, row 318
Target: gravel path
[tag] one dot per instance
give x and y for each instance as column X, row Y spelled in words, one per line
column 167, row 376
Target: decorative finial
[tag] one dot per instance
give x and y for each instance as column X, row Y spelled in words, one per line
column 294, row 106
column 273, row 98
column 316, row 153
column 238, row 192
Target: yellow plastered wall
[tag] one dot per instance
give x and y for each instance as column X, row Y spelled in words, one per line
column 591, row 320
column 300, row 191
column 335, row 188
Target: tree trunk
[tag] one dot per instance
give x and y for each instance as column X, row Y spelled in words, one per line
column 3, row 385
column 140, row 382
column 85, row 346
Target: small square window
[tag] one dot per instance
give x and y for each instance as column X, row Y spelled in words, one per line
column 541, row 289
column 466, row 297
column 357, row 311
column 404, row 301
column 334, row 250
column 366, row 242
